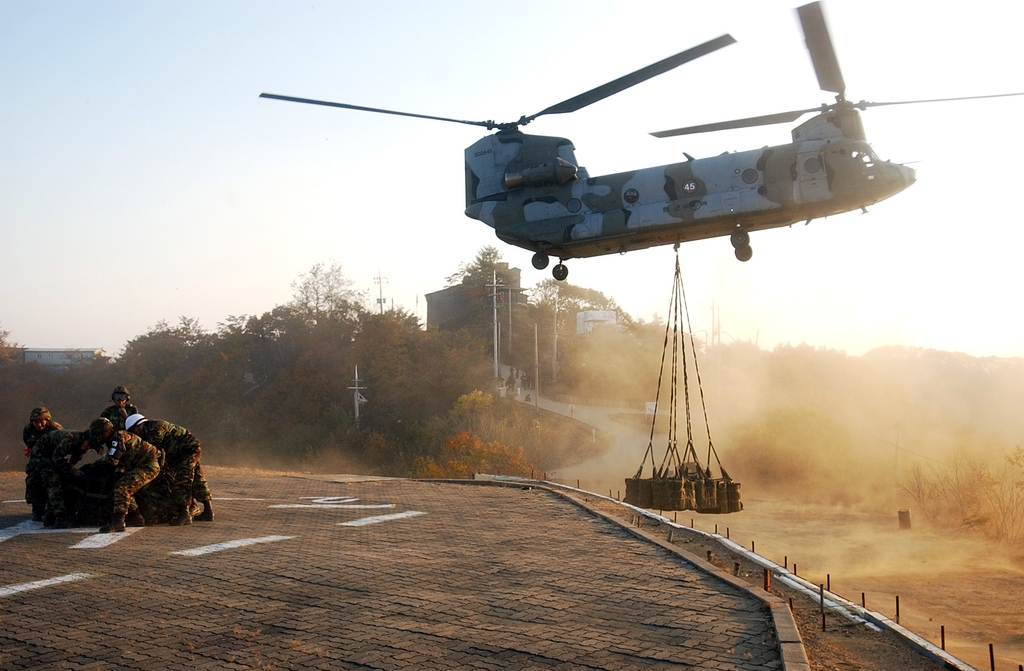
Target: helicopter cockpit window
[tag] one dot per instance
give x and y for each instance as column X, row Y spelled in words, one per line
column 865, row 155
column 812, row 165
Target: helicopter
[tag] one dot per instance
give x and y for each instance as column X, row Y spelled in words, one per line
column 532, row 191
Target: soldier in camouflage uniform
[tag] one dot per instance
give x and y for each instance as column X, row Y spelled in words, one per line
column 181, row 477
column 136, row 463
column 39, row 424
column 49, row 472
column 121, row 409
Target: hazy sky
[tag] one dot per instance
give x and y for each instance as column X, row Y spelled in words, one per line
column 141, row 177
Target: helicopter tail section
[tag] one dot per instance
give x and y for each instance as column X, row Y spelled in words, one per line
column 487, row 162
column 501, row 169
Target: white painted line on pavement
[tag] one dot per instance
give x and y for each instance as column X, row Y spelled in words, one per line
column 26, row 586
column 330, row 499
column 333, row 505
column 380, row 518
column 16, row 501
column 219, row 498
column 30, row 527
column 98, row 540
column 217, row 547
column 18, row 529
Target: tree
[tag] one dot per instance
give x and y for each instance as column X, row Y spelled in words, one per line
column 8, row 350
column 573, row 299
column 480, row 271
column 465, row 454
column 325, row 292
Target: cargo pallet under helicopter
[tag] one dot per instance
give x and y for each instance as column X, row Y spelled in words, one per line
column 531, row 190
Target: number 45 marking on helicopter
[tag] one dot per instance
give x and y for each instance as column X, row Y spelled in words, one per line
column 531, row 190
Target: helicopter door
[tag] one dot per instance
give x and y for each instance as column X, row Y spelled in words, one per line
column 811, row 182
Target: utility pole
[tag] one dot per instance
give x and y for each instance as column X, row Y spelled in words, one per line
column 554, row 342
column 357, row 398
column 510, row 324
column 536, row 370
column 379, row 281
column 494, row 308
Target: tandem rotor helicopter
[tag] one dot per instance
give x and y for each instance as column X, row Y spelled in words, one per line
column 533, row 193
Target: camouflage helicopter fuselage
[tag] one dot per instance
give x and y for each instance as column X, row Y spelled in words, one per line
column 530, row 190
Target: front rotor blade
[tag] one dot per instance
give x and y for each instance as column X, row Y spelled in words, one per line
column 819, row 43
column 865, row 105
column 764, row 120
column 485, row 124
column 634, row 78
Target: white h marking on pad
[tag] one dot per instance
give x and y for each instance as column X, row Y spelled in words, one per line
column 26, row 586
column 333, row 505
column 380, row 518
column 242, row 542
column 330, row 499
column 30, row 527
column 103, row 540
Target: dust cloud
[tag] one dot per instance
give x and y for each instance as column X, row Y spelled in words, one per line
column 808, row 424
column 828, row 447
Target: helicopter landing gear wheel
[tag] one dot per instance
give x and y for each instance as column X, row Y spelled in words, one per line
column 540, row 260
column 744, row 253
column 560, row 272
column 739, row 238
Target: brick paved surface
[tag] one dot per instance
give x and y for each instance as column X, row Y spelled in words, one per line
column 487, row 578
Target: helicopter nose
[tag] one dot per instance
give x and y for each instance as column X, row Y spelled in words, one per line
column 909, row 174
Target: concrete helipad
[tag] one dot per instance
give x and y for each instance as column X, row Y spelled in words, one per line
column 336, row 573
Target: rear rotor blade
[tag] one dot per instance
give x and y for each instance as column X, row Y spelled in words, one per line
column 764, row 120
column 819, row 43
column 634, row 78
column 865, row 105
column 486, row 124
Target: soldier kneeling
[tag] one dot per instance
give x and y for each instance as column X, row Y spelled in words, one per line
column 181, row 482
column 135, row 463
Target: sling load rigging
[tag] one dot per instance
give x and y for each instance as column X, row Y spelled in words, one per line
column 682, row 481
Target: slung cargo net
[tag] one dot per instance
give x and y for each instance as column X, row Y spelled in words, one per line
column 681, row 481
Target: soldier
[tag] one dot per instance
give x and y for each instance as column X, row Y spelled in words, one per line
column 136, row 463
column 49, row 471
column 121, row 409
column 180, row 472
column 39, row 423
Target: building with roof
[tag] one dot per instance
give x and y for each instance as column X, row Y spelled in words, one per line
column 62, row 358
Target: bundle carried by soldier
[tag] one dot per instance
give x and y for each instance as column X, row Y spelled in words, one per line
column 148, row 471
column 681, row 481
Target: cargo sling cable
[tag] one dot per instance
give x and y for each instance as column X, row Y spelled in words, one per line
column 681, row 482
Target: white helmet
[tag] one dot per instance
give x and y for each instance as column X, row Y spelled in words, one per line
column 132, row 420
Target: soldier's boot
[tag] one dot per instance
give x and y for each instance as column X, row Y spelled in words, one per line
column 184, row 517
column 48, row 518
column 38, row 511
column 207, row 514
column 134, row 519
column 61, row 521
column 115, row 524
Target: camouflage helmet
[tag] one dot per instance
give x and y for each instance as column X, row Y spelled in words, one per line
column 120, row 390
column 100, row 429
column 39, row 413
